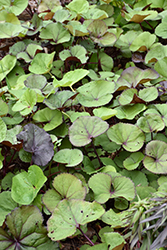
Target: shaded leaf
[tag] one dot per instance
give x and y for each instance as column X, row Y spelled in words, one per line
column 132, row 162
column 37, row 141
column 6, row 65
column 150, row 122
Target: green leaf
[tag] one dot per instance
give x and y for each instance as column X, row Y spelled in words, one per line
column 99, row 34
column 128, row 135
column 10, row 30
column 15, row 6
column 42, row 63
column 66, row 186
column 129, row 111
column 25, row 229
column 69, row 157
column 105, row 187
column 56, row 32
column 12, row 133
column 26, row 185
column 35, row 82
column 69, row 214
column 77, row 29
column 49, row 5
column 114, row 240
column 6, row 65
column 71, row 78
column 26, row 103
column 160, row 67
column 156, row 157
column 132, row 76
column 6, row 206
column 76, row 51
column 162, row 108
column 114, row 219
column 104, row 113
column 127, row 96
column 106, row 62
column 148, row 94
column 78, row 6
column 3, row 130
column 52, row 117
column 61, row 15
column 85, row 128
column 59, row 99
column 133, row 161
column 74, row 115
column 161, row 30
column 96, row 93
column 150, row 122
column 143, row 42
column 3, row 108
column 156, row 53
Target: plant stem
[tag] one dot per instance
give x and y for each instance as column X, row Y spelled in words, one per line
column 11, row 158
column 86, row 236
column 96, row 154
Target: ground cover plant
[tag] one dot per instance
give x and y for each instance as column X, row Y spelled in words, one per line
column 83, row 117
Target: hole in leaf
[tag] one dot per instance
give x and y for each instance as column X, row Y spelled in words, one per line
column 52, row 232
column 82, row 211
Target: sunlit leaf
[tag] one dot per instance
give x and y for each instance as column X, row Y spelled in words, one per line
column 69, row 157
column 156, row 157
column 105, row 187
column 69, row 215
column 6, row 65
column 42, row 63
column 85, row 128
column 66, row 186
column 26, row 185
column 132, row 162
column 128, row 135
column 150, row 122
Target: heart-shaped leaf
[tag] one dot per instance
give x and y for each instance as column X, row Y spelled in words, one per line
column 52, row 117
column 35, row 82
column 156, row 157
column 69, row 215
column 150, row 122
column 69, row 157
column 104, row 113
column 6, row 65
column 42, row 63
column 106, row 187
column 66, row 186
column 143, row 42
column 85, row 128
column 96, row 93
column 129, row 111
column 133, row 76
column 128, row 135
column 25, row 230
column 26, row 185
column 37, row 141
column 6, row 206
column 26, row 102
column 56, row 32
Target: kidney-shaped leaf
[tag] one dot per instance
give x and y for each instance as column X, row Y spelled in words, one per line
column 37, row 141
column 150, row 122
column 128, row 135
column 35, row 81
column 104, row 187
column 56, row 32
column 42, row 63
column 133, row 76
column 25, row 186
column 96, row 93
column 25, row 230
column 156, row 157
column 69, row 215
column 70, row 157
column 84, row 128
column 66, row 186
